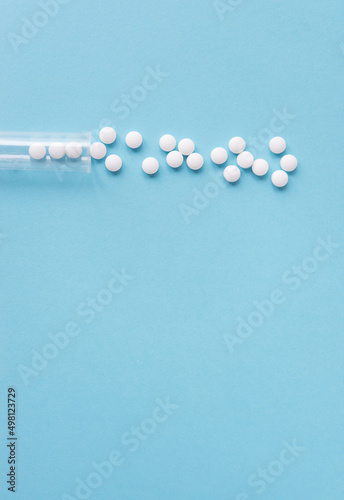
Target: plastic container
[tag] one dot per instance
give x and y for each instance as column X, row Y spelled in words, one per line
column 14, row 151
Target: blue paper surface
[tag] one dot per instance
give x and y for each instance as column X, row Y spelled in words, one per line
column 174, row 337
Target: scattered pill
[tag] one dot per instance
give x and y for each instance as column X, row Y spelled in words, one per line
column 98, row 150
column 260, row 167
column 231, row 173
column 167, row 142
column 219, row 156
column 37, row 151
column 133, row 140
column 288, row 163
column 277, row 145
column 195, row 161
column 279, row 178
column 57, row 150
column 150, row 165
column 107, row 135
column 113, row 163
column 237, row 145
column 174, row 159
column 245, row 159
column 73, row 150
column 186, row 147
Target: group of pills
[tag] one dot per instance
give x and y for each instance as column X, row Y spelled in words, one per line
column 260, row 167
column 57, row 150
column 175, row 157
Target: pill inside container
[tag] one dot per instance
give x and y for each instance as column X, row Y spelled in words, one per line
column 56, row 151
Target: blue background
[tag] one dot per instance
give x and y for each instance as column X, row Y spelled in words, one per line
column 164, row 335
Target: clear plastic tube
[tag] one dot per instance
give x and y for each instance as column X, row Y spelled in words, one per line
column 64, row 152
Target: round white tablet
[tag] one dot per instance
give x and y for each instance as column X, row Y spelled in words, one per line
column 245, row 159
column 195, row 161
column 37, row 151
column 279, row 178
column 288, row 163
column 219, row 156
column 277, row 145
column 57, row 150
column 231, row 173
column 133, row 139
column 113, row 163
column 73, row 150
column 237, row 145
column 186, row 147
column 174, row 159
column 107, row 135
column 98, row 150
column 260, row 167
column 150, row 165
column 167, row 142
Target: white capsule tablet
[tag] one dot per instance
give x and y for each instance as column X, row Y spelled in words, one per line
column 288, row 163
column 219, row 156
column 98, row 150
column 245, row 159
column 260, row 167
column 73, row 150
column 195, row 161
column 113, row 163
column 107, row 135
column 133, row 140
column 150, row 165
column 231, row 173
column 174, row 159
column 186, row 147
column 277, row 145
column 237, row 145
column 37, row 151
column 57, row 150
column 167, row 142
column 279, row 178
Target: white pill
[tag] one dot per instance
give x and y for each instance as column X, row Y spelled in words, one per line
column 73, row 150
column 150, row 165
column 279, row 178
column 174, row 159
column 107, row 135
column 245, row 159
column 260, row 167
column 288, row 163
column 186, row 147
column 98, row 150
column 57, row 150
column 231, row 173
column 237, row 145
column 277, row 145
column 167, row 142
column 219, row 156
column 133, row 140
column 37, row 151
column 113, row 163
column 195, row 161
